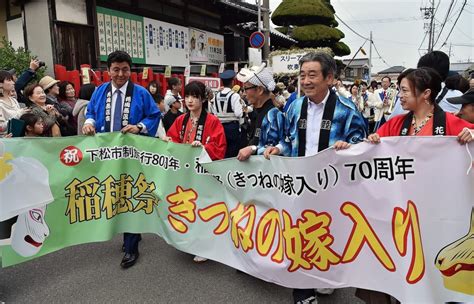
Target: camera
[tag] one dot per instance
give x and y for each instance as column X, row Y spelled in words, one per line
column 41, row 64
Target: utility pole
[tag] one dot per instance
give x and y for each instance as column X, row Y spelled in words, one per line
column 370, row 58
column 266, row 29
column 429, row 26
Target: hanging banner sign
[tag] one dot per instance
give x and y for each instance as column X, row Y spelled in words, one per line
column 378, row 217
column 211, row 82
column 287, row 63
column 120, row 31
column 166, row 43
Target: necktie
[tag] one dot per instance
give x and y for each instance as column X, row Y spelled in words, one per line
column 118, row 112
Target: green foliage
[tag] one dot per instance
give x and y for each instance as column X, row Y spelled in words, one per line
column 341, row 49
column 312, row 24
column 16, row 59
column 317, row 35
column 302, row 12
column 282, row 29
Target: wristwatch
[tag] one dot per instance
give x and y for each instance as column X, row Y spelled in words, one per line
column 140, row 127
column 254, row 149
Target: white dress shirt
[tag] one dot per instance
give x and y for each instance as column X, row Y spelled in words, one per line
column 123, row 90
column 313, row 125
column 445, row 104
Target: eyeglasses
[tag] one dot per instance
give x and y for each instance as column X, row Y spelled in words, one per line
column 249, row 88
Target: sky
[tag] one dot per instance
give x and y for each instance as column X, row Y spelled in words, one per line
column 397, row 29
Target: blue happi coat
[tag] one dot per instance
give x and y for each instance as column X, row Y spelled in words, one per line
column 271, row 131
column 142, row 109
column 347, row 125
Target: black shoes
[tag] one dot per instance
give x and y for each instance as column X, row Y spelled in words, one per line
column 129, row 259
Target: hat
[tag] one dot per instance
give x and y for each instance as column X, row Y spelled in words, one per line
column 280, row 85
column 467, row 98
column 236, row 88
column 227, row 74
column 12, row 72
column 257, row 75
column 170, row 99
column 47, row 81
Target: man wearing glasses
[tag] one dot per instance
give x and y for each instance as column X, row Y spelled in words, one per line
column 120, row 105
column 258, row 84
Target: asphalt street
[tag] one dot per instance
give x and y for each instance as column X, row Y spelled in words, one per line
column 91, row 273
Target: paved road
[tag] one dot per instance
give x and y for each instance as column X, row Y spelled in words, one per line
column 91, row 273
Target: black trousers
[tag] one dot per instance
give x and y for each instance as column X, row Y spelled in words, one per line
column 130, row 242
column 232, row 136
column 303, row 294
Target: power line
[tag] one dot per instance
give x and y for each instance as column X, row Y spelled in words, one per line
column 462, row 44
column 454, row 25
column 387, row 20
column 371, row 41
column 444, row 22
column 380, row 56
column 421, row 44
column 350, row 28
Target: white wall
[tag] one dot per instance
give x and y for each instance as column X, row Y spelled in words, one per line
column 71, row 11
column 38, row 32
column 15, row 32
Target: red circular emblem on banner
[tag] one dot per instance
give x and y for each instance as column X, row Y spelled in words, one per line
column 70, row 156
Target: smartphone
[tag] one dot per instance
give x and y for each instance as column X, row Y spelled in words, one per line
column 16, row 127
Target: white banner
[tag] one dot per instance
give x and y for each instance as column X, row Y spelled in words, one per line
column 166, row 43
column 286, row 63
column 393, row 217
column 255, row 57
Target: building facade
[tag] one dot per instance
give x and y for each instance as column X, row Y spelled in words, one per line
column 157, row 33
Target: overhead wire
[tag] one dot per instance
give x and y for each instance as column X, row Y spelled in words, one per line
column 371, row 41
column 350, row 28
column 380, row 56
column 444, row 22
column 455, row 22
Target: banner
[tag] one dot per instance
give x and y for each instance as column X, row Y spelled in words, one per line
column 166, row 43
column 211, row 82
column 215, row 48
column 287, row 63
column 120, row 31
column 393, row 217
column 205, row 47
column 197, row 45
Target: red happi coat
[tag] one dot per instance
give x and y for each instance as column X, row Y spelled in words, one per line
column 454, row 126
column 213, row 137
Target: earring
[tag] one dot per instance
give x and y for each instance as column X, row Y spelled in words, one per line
column 427, row 101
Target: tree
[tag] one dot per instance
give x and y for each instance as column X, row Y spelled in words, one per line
column 311, row 23
column 16, row 59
